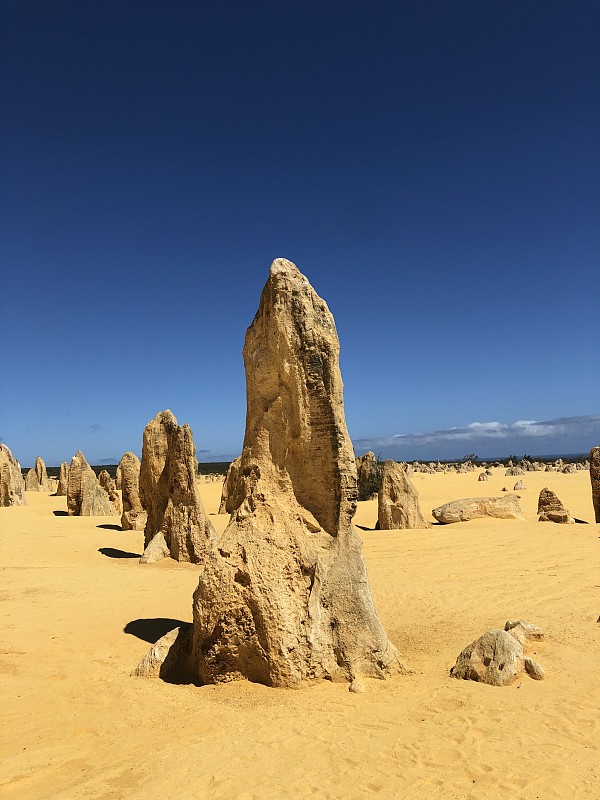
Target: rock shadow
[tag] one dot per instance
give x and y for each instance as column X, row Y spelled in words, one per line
column 153, row 629
column 61, row 513
column 107, row 526
column 112, row 552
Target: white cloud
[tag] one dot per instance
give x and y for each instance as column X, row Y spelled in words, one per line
column 565, row 434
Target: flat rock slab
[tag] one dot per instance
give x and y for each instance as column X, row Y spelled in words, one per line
column 506, row 507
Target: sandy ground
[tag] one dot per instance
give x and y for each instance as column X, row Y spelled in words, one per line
column 79, row 612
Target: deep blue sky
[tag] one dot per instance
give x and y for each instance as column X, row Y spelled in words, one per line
column 432, row 167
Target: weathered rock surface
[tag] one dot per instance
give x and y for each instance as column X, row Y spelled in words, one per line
column 108, row 484
column 133, row 517
column 519, row 486
column 168, row 493
column 496, row 658
column 168, row 657
column 36, row 479
column 398, row 500
column 12, row 485
column 595, row 479
column 550, row 509
column 369, row 473
column 285, row 598
column 231, row 498
column 483, row 476
column 525, row 632
column 63, row 480
column 85, row 495
column 506, row 507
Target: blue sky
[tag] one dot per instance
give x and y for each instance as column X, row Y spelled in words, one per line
column 431, row 167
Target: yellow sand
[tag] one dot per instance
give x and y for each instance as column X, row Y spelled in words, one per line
column 76, row 725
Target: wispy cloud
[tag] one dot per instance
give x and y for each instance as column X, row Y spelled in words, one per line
column 565, row 434
column 94, row 428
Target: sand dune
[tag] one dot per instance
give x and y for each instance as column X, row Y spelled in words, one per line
column 79, row 612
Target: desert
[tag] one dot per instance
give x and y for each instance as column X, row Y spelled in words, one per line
column 80, row 612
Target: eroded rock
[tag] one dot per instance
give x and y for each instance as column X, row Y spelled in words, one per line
column 506, row 507
column 398, row 500
column 63, row 480
column 168, row 493
column 133, row 517
column 85, row 495
column 36, row 479
column 550, row 509
column 496, row 658
column 12, row 485
column 230, row 496
column 285, row 599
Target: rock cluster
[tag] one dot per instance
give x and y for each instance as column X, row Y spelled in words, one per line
column 398, row 500
column 595, row 479
column 506, row 507
column 176, row 523
column 550, row 509
column 285, row 597
column 133, row 517
column 36, row 479
column 12, row 485
column 85, row 495
column 498, row 657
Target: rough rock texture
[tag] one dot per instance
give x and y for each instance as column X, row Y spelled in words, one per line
column 134, row 517
column 85, row 496
column 107, row 483
column 118, row 478
column 168, row 493
column 167, row 658
column 368, row 476
column 230, row 497
column 595, row 479
column 36, row 479
column 525, row 632
column 496, row 658
column 550, row 509
column 506, row 507
column 519, row 486
column 286, row 598
column 12, row 485
column 63, row 480
column 483, row 476
column 398, row 500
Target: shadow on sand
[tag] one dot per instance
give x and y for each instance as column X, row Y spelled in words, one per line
column 151, row 630
column 109, row 527
column 60, row 513
column 112, row 552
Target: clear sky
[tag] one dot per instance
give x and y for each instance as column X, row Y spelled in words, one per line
column 432, row 167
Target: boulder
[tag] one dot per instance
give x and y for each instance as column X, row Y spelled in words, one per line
column 550, row 509
column 398, row 500
column 36, row 479
column 515, row 471
column 63, row 480
column 519, row 486
column 483, row 476
column 506, row 507
column 525, row 632
column 595, row 479
column 168, row 493
column 496, row 658
column 133, row 517
column 285, row 599
column 12, row 485
column 230, row 499
column 85, row 495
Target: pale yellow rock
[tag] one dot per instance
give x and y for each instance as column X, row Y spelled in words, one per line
column 85, row 495
column 286, row 598
column 398, row 500
column 133, row 517
column 506, row 507
column 12, row 485
column 168, row 493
